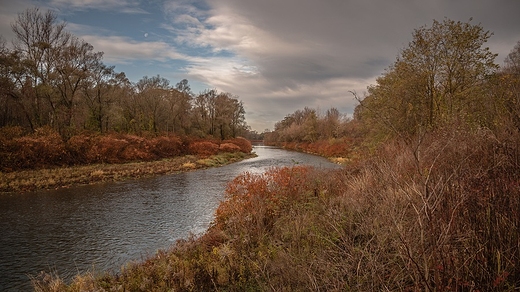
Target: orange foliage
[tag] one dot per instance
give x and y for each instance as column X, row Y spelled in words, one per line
column 42, row 148
column 167, row 146
column 257, row 199
column 203, row 148
column 46, row 148
column 326, row 148
column 243, row 143
column 229, row 147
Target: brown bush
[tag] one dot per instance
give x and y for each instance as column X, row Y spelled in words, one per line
column 229, row 147
column 243, row 143
column 43, row 148
column 203, row 148
column 9, row 133
column 166, row 146
column 138, row 148
column 78, row 147
column 107, row 149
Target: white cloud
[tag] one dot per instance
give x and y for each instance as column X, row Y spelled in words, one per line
column 120, row 50
column 131, row 7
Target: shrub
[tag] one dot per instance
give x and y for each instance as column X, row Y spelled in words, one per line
column 78, row 147
column 44, row 147
column 203, row 148
column 166, row 146
column 243, row 143
column 107, row 149
column 229, row 147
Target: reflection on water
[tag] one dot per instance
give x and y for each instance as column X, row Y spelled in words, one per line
column 104, row 226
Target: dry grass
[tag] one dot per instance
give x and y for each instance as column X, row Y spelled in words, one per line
column 31, row 180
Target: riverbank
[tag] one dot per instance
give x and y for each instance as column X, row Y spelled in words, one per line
column 62, row 177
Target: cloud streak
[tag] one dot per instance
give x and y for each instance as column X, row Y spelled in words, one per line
column 130, row 7
column 123, row 50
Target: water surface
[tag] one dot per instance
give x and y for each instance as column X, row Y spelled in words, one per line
column 102, row 227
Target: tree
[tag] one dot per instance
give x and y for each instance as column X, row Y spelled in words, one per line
column 204, row 112
column 220, row 115
column 50, row 66
column 37, row 38
column 152, row 93
column 507, row 87
column 438, row 79
column 10, row 113
column 179, row 102
column 101, row 91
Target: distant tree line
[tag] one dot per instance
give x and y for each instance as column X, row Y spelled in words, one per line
column 309, row 125
column 49, row 77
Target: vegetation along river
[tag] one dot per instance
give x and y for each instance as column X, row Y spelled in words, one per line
column 102, row 227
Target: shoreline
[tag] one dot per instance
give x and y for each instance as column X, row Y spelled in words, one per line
column 64, row 177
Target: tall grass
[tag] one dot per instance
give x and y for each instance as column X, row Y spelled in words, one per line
column 441, row 213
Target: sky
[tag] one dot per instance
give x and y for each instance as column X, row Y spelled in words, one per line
column 276, row 56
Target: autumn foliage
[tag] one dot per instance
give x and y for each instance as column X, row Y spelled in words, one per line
column 46, row 148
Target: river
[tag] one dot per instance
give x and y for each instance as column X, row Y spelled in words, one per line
column 101, row 227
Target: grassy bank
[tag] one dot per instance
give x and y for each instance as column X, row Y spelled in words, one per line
column 441, row 215
column 31, row 180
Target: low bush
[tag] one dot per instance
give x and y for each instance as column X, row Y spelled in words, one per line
column 203, row 148
column 244, row 144
column 45, row 148
column 167, row 146
column 229, row 147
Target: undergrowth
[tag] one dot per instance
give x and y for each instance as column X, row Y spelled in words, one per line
column 45, row 148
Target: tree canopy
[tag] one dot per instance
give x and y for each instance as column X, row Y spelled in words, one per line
column 440, row 78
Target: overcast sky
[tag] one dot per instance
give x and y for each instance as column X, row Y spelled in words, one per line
column 277, row 56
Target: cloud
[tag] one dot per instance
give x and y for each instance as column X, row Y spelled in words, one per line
column 288, row 54
column 274, row 73
column 8, row 14
column 121, row 50
column 131, row 7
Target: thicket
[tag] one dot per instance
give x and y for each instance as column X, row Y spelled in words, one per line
column 45, row 148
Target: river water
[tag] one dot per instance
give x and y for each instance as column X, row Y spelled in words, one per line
column 101, row 227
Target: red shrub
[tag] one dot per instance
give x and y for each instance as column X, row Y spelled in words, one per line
column 253, row 201
column 204, row 148
column 244, row 144
column 43, row 148
column 78, row 147
column 229, row 147
column 166, row 146
column 107, row 149
column 138, row 148
column 9, row 147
